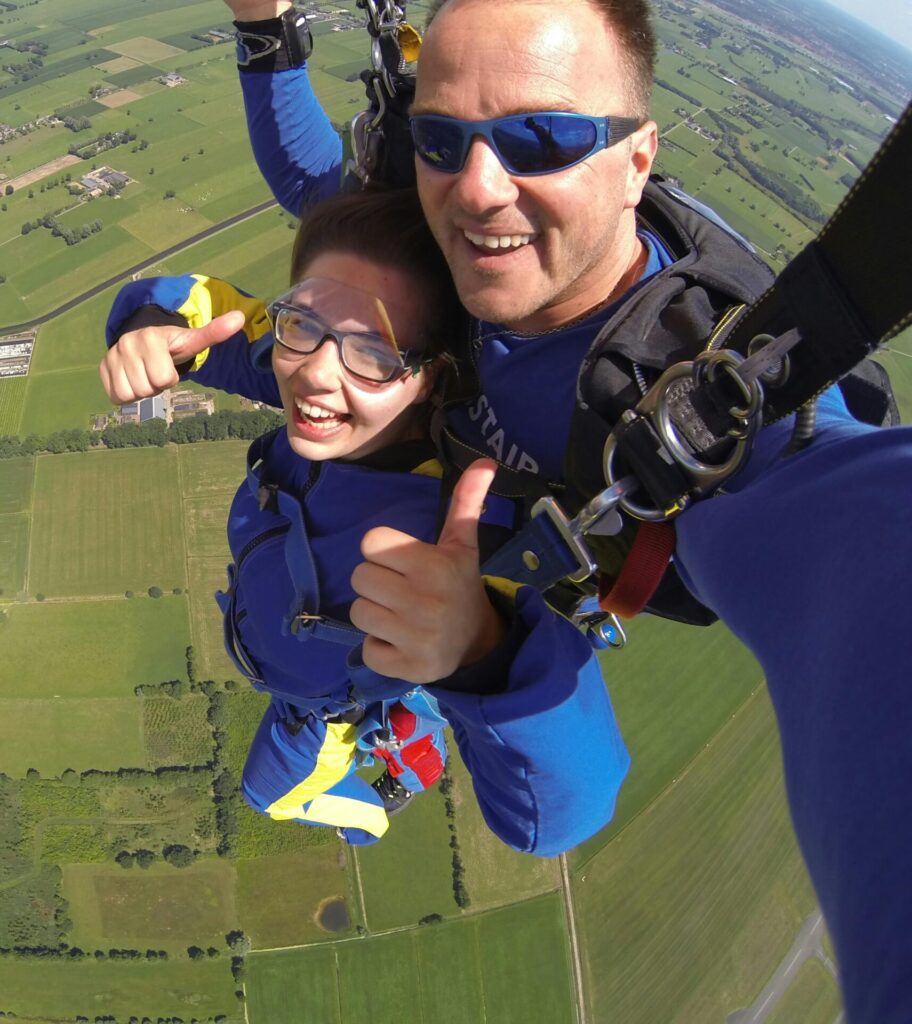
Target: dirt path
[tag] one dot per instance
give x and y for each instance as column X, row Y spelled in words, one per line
column 44, row 171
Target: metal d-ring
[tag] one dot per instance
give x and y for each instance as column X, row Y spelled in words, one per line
column 705, row 368
column 704, row 477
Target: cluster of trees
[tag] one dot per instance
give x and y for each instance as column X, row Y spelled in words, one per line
column 75, row 124
column 460, row 893
column 110, row 140
column 70, row 235
column 177, row 689
column 175, row 854
column 224, row 785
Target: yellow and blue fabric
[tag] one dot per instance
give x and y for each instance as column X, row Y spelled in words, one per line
column 304, row 770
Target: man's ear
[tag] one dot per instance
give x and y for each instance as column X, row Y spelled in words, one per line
column 643, row 145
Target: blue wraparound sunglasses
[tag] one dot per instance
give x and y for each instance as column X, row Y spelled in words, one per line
column 526, row 144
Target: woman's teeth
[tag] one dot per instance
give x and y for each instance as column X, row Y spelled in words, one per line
column 317, row 415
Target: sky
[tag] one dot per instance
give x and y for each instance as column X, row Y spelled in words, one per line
column 891, row 17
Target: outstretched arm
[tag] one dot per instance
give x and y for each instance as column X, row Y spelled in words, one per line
column 808, row 560
column 296, row 147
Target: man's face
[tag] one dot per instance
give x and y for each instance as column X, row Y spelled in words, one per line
column 530, row 252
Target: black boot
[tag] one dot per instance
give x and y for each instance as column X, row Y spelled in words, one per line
column 393, row 794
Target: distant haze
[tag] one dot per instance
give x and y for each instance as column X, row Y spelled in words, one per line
column 891, row 17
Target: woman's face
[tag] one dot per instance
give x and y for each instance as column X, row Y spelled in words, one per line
column 331, row 413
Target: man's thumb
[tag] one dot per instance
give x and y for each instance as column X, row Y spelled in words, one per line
column 467, row 504
column 191, row 342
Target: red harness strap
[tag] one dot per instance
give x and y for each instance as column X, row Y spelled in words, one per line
column 641, row 572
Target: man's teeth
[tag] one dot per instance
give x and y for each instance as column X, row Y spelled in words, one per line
column 315, row 412
column 498, row 241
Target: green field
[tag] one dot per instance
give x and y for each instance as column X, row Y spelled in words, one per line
column 14, row 532
column 509, row 966
column 159, row 906
column 55, row 735
column 107, row 522
column 44, row 990
column 12, row 398
column 92, row 649
column 315, row 875
column 421, row 837
column 176, row 731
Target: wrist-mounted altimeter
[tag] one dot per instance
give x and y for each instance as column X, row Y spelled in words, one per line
column 275, row 44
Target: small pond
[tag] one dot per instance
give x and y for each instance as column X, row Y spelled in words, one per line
column 333, row 916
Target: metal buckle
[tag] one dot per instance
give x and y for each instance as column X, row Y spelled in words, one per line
column 549, row 507
column 705, row 477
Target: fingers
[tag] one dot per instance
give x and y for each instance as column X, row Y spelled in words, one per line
column 467, row 504
column 135, row 369
column 142, row 363
column 187, row 344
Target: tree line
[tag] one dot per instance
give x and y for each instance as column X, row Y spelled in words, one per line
column 220, row 426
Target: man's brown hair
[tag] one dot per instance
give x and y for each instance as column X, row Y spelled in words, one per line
column 631, row 23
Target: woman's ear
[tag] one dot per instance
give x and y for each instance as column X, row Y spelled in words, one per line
column 431, row 374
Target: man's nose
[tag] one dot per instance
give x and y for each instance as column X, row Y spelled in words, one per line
column 484, row 183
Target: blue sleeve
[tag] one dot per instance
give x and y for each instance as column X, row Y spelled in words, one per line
column 546, row 755
column 195, row 299
column 296, row 147
column 808, row 560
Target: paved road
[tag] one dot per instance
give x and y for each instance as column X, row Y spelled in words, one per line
column 807, row 944
column 150, row 262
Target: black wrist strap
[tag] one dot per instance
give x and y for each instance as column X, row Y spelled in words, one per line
column 275, row 44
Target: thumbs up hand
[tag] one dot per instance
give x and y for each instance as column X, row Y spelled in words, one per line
column 424, row 606
column 143, row 363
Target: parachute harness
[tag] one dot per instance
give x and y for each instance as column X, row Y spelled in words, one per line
column 394, row 44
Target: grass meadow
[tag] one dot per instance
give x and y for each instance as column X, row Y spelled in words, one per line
column 92, row 649
column 12, row 399
column 176, row 731
column 14, row 534
column 16, row 476
column 48, row 990
column 267, row 913
column 394, row 898
column 53, row 735
column 158, row 907
column 107, row 522
column 509, row 966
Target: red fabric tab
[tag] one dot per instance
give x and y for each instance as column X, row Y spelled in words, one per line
column 641, row 572
column 424, row 760
column 402, row 721
column 392, row 765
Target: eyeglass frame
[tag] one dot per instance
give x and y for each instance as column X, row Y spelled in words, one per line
column 609, row 130
column 410, row 362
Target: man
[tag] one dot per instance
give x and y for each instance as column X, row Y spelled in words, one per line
column 802, row 557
